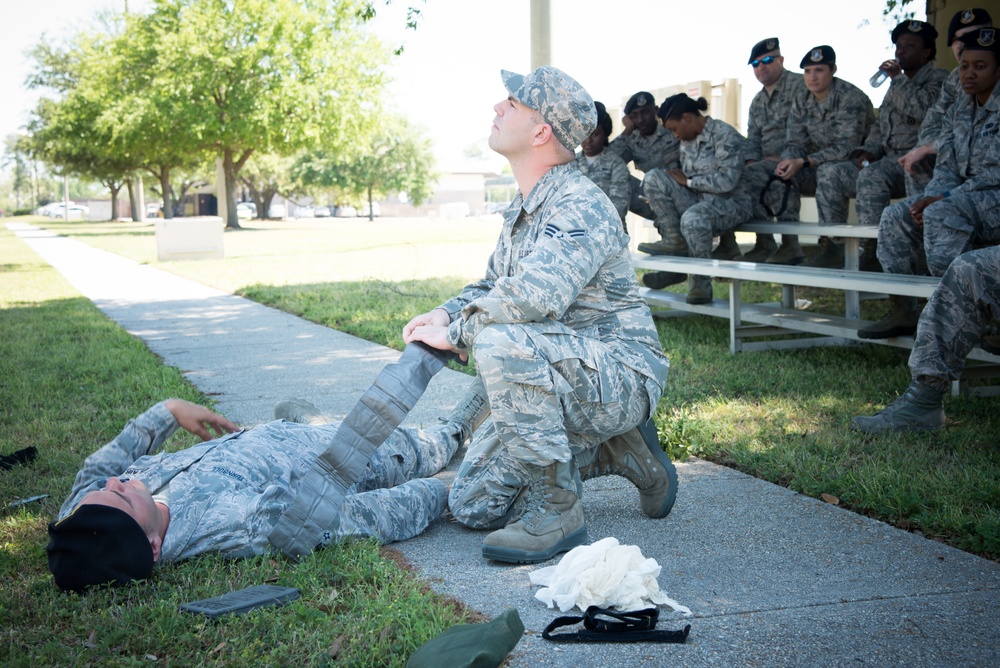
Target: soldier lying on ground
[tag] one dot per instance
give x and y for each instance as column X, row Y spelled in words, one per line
column 133, row 507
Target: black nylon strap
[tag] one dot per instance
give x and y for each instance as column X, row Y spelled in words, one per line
column 634, row 626
column 784, row 199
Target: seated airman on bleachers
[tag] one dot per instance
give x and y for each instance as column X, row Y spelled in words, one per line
column 825, row 124
column 874, row 176
column 605, row 168
column 956, row 319
column 923, row 234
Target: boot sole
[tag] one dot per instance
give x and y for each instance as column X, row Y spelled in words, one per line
column 648, row 431
column 514, row 556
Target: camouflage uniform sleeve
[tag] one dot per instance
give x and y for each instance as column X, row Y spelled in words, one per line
column 946, row 174
column 853, row 119
column 797, row 131
column 874, row 142
column 987, row 179
column 932, row 127
column 916, row 98
column 567, row 255
column 619, row 146
column 621, row 187
column 755, row 147
column 142, row 436
column 728, row 166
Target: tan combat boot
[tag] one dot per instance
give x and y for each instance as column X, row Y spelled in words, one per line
column 552, row 523
column 699, row 290
column 901, row 320
column 301, row 411
column 637, row 456
column 762, row 249
column 727, row 249
column 790, row 252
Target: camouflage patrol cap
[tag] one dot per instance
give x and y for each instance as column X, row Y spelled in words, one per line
column 640, row 100
column 819, row 55
column 762, row 47
column 562, row 102
column 984, row 39
column 976, row 16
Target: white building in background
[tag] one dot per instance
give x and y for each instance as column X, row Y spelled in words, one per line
column 458, row 192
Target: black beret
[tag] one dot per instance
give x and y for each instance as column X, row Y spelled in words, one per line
column 762, row 47
column 984, row 39
column 921, row 29
column 977, row 16
column 603, row 117
column 640, row 100
column 98, row 545
column 819, row 55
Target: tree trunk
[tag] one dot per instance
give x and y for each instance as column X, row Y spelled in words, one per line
column 371, row 212
column 115, row 188
column 133, row 202
column 230, row 169
column 168, row 204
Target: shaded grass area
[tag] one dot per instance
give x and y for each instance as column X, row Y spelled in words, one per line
column 70, row 381
column 779, row 415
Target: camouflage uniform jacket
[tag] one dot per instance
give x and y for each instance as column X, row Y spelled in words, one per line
column 903, row 110
column 828, row 131
column 562, row 261
column 930, row 129
column 660, row 149
column 767, row 124
column 713, row 161
column 225, row 495
column 611, row 175
column 969, row 157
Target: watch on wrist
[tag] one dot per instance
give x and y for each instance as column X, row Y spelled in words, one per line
column 806, row 163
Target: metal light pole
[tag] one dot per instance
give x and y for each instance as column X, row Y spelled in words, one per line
column 541, row 34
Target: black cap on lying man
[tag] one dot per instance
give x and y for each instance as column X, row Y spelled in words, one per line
column 98, row 545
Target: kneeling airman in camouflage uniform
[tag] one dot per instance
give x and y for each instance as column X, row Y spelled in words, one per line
column 565, row 347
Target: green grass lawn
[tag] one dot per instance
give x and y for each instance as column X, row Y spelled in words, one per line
column 69, row 380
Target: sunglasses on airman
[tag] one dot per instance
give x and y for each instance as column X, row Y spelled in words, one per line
column 766, row 60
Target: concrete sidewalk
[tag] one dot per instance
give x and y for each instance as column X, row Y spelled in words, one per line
column 774, row 578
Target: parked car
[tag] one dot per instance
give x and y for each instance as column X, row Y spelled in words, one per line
column 376, row 210
column 246, row 210
column 76, row 211
column 305, row 212
column 278, row 211
column 323, row 212
column 154, row 211
column 346, row 211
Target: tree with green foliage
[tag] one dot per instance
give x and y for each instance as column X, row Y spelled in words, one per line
column 397, row 160
column 266, row 175
column 70, row 131
column 271, row 76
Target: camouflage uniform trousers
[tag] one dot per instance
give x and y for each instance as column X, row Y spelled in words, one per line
column 395, row 499
column 554, row 396
column 826, row 182
column 696, row 216
column 956, row 317
column 950, row 228
column 757, row 175
column 873, row 187
column 637, row 203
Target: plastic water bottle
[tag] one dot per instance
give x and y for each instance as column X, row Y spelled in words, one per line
column 878, row 78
